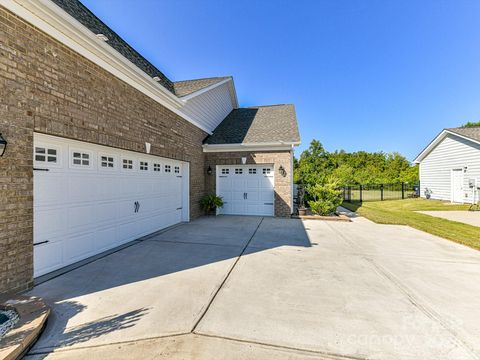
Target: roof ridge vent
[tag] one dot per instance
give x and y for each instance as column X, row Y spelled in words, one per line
column 102, row 37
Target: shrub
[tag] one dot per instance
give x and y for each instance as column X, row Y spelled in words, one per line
column 210, row 202
column 326, row 198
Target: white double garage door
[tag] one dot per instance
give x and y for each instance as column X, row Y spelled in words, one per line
column 90, row 198
column 246, row 189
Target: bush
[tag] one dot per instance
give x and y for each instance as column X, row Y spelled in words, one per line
column 210, row 202
column 326, row 198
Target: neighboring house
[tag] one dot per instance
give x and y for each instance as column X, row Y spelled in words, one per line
column 103, row 148
column 450, row 164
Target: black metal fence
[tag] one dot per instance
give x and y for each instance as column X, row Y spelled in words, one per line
column 380, row 192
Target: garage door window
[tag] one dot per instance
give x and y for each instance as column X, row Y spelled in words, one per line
column 80, row 159
column 225, row 171
column 266, row 171
column 238, row 171
column 44, row 154
column 157, row 167
column 107, row 162
column 168, row 168
column 127, row 164
column 252, row 171
column 177, row 170
column 143, row 165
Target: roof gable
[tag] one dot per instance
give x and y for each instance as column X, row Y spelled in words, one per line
column 472, row 134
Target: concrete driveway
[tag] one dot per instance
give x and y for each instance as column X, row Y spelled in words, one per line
column 466, row 217
column 265, row 288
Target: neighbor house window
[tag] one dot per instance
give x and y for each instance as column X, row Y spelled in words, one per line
column 168, row 168
column 127, row 164
column 143, row 165
column 225, row 171
column 80, row 158
column 44, row 154
column 266, row 171
column 157, row 167
column 238, row 171
column 252, row 171
column 106, row 162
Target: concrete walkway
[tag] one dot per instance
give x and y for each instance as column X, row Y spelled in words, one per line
column 466, row 217
column 253, row 288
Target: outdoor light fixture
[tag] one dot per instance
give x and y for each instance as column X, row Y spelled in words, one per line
column 3, row 145
column 148, row 147
column 282, row 171
column 209, row 170
column 244, row 160
column 102, row 37
column 156, row 78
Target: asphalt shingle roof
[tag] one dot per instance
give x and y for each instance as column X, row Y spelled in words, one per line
column 186, row 87
column 81, row 13
column 470, row 132
column 260, row 124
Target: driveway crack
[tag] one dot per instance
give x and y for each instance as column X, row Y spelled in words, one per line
column 226, row 278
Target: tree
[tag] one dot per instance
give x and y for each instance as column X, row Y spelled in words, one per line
column 471, row 124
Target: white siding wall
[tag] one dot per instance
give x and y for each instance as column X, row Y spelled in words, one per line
column 436, row 168
column 211, row 107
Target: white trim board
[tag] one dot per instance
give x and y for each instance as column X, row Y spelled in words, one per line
column 248, row 147
column 54, row 21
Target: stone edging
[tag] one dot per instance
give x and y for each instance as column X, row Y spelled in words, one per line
column 337, row 217
column 33, row 315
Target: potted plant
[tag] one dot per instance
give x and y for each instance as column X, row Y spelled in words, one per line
column 302, row 210
column 210, row 203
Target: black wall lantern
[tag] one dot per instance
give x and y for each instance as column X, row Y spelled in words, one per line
column 3, row 145
column 282, row 171
column 209, row 170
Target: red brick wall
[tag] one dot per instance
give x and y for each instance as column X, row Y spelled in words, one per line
column 48, row 88
column 283, row 185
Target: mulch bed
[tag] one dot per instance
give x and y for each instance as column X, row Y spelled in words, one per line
column 311, row 216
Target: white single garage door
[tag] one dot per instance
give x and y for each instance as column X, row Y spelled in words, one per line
column 246, row 189
column 90, row 198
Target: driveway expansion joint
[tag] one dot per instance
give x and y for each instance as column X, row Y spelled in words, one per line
column 226, row 277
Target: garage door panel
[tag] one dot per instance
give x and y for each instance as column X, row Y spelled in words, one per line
column 48, row 257
column 79, row 247
column 50, row 188
column 92, row 208
column 49, row 221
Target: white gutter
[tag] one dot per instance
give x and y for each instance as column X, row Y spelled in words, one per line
column 273, row 146
column 58, row 24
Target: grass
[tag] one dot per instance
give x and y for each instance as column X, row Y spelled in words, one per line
column 403, row 212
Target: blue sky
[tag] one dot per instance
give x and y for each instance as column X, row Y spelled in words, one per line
column 364, row 75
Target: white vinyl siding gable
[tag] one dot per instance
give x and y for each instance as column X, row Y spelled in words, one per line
column 451, row 153
column 210, row 108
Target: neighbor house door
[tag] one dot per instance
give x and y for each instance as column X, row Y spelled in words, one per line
column 246, row 189
column 457, row 185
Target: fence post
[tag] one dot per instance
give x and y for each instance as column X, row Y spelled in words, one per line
column 349, row 194
column 403, row 190
column 361, row 195
column 381, row 192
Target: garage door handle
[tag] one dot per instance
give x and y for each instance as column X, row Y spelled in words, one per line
column 138, row 208
column 40, row 243
column 38, row 169
column 267, row 203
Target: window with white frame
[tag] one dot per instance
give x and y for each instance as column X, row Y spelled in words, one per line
column 177, row 169
column 238, row 171
column 252, row 171
column 143, row 165
column 45, row 154
column 80, row 158
column 157, row 167
column 266, row 171
column 168, row 168
column 107, row 162
column 127, row 164
column 225, row 171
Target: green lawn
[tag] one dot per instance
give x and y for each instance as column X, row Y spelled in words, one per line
column 402, row 212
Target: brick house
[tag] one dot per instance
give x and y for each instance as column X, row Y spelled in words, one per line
column 103, row 148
